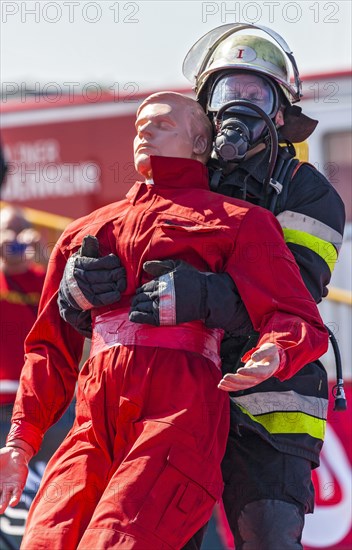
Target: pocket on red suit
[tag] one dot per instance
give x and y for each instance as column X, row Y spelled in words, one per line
column 182, row 499
column 205, row 247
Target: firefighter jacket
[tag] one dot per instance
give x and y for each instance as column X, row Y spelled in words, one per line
column 179, row 217
column 291, row 415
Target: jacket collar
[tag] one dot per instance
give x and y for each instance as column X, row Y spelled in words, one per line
column 170, row 172
column 179, row 172
column 255, row 166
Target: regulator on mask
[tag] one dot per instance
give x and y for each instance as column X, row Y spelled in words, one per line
column 244, row 125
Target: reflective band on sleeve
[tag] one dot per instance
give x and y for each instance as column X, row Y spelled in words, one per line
column 75, row 291
column 289, row 423
column 286, row 401
column 301, row 222
column 167, row 300
column 324, row 249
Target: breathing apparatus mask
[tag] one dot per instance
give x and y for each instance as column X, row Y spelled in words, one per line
column 243, row 106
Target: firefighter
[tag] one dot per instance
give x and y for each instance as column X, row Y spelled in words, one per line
column 270, row 453
column 277, row 428
column 141, row 466
column 272, row 447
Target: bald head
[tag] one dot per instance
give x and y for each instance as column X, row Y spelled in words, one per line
column 172, row 125
column 197, row 121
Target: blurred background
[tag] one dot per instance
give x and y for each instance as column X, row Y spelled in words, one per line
column 72, row 76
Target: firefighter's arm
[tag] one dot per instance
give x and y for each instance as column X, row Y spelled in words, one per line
column 89, row 280
column 279, row 305
column 179, row 293
column 313, row 223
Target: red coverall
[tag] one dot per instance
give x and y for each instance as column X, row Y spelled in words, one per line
column 141, row 466
column 19, row 300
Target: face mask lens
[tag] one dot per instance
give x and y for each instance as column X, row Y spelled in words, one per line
column 248, row 87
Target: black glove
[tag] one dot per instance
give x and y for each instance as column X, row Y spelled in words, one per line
column 80, row 320
column 180, row 293
column 89, row 281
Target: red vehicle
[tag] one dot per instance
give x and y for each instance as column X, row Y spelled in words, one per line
column 71, row 156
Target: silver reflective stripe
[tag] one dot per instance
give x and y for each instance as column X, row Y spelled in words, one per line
column 75, row 291
column 287, row 401
column 167, row 300
column 301, row 222
column 9, row 386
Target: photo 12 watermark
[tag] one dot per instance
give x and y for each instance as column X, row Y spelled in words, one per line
column 69, row 12
column 53, row 92
column 254, row 12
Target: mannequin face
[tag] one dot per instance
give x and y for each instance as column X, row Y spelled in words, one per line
column 163, row 129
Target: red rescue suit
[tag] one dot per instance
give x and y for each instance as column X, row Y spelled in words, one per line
column 19, row 299
column 141, row 466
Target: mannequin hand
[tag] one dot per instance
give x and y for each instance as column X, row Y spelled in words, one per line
column 14, row 472
column 263, row 364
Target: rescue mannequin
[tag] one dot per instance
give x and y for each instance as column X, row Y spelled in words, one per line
column 141, row 466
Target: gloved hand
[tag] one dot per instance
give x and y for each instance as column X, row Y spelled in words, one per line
column 263, row 364
column 14, row 471
column 79, row 319
column 89, row 281
column 180, row 293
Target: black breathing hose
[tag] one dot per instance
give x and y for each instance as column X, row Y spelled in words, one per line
column 338, row 391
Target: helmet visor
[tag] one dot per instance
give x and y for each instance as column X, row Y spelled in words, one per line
column 250, row 87
column 201, row 49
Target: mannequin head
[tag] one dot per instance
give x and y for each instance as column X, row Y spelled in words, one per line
column 170, row 124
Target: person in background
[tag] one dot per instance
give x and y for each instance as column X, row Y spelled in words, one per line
column 21, row 283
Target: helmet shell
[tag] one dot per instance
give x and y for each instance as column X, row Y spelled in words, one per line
column 252, row 53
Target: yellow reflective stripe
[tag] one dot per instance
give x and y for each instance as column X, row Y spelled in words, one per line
column 284, row 401
column 324, row 249
column 290, row 422
column 302, row 222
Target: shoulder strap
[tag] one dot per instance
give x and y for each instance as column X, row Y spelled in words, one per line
column 289, row 170
column 285, row 169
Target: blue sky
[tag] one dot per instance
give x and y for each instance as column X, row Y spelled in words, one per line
column 142, row 42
